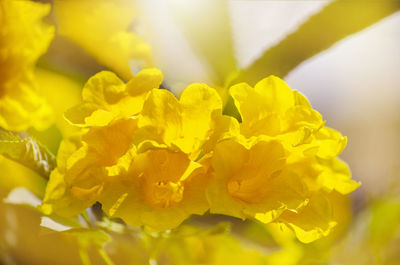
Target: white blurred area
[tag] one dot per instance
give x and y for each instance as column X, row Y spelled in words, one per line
column 355, row 84
column 259, row 25
column 172, row 51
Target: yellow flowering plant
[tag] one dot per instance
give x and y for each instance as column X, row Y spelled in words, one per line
column 173, row 160
column 24, row 36
column 226, row 169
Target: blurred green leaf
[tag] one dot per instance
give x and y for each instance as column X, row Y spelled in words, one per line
column 87, row 238
column 51, row 137
column 385, row 221
column 22, row 148
column 336, row 21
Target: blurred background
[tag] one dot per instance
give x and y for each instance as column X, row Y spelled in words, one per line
column 344, row 56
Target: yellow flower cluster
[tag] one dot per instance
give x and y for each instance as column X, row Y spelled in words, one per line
column 23, row 38
column 152, row 159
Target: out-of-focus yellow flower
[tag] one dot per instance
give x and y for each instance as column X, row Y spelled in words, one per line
column 67, row 94
column 106, row 98
column 102, row 28
column 23, row 38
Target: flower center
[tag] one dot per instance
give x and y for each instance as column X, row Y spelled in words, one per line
column 165, row 193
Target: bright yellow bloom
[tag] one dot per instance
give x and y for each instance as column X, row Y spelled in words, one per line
column 83, row 165
column 272, row 108
column 101, row 27
column 23, row 38
column 281, row 164
column 154, row 160
column 161, row 189
column 139, row 156
column 251, row 181
column 165, row 184
column 191, row 124
column 106, row 98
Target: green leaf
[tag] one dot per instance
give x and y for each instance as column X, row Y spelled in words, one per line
column 90, row 237
column 385, row 221
column 22, row 148
column 336, row 21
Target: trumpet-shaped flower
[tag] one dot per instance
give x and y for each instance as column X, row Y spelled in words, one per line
column 23, row 38
column 192, row 124
column 174, row 158
column 107, row 98
column 281, row 164
column 252, row 180
column 161, row 189
column 272, row 109
column 83, row 165
column 152, row 175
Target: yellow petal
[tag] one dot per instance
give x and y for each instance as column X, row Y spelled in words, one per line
column 162, row 111
column 199, row 104
column 277, row 95
column 331, row 142
column 144, row 81
column 336, row 175
column 313, row 221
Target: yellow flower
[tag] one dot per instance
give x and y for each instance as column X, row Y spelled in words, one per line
column 192, row 124
column 282, row 163
column 272, row 108
column 161, row 189
column 174, row 158
column 23, row 38
column 166, row 181
column 83, row 165
column 142, row 164
column 106, row 98
column 102, row 28
column 252, row 180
